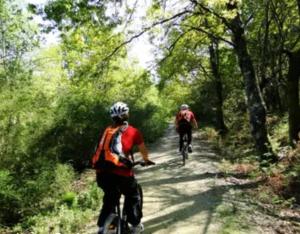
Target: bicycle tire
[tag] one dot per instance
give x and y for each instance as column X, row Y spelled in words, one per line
column 110, row 221
column 124, row 226
column 119, row 226
column 141, row 195
column 183, row 156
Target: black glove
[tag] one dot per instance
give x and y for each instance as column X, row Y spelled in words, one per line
column 127, row 162
column 148, row 163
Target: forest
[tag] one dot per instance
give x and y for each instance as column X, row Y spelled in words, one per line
column 235, row 62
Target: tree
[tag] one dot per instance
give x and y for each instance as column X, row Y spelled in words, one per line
column 255, row 103
column 214, row 61
column 287, row 37
column 293, row 78
column 17, row 38
column 293, row 96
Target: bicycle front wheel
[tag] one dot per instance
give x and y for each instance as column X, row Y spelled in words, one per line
column 141, row 195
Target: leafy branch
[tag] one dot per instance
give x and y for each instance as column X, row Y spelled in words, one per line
column 146, row 29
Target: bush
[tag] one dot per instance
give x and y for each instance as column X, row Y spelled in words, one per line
column 69, row 198
column 63, row 220
column 90, row 199
column 71, row 213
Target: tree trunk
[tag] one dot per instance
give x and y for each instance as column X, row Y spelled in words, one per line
column 268, row 83
column 293, row 96
column 214, row 61
column 256, row 108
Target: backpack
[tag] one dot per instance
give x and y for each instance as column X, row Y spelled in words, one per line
column 184, row 117
column 109, row 154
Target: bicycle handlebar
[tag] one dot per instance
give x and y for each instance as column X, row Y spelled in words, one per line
column 143, row 163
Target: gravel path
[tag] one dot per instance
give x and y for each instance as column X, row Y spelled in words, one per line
column 177, row 198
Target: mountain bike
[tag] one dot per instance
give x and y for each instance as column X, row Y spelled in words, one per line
column 116, row 222
column 184, row 150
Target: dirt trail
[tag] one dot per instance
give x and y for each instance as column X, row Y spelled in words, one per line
column 186, row 199
column 177, row 198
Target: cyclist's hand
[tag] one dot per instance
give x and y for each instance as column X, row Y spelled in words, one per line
column 148, row 163
column 127, row 162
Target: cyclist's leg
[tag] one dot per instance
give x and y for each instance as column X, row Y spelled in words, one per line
column 111, row 197
column 181, row 131
column 189, row 134
column 129, row 188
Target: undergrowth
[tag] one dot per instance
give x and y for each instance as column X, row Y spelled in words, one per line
column 281, row 181
column 72, row 211
column 278, row 187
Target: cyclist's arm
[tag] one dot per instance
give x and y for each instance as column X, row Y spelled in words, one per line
column 144, row 151
column 194, row 121
column 142, row 148
column 176, row 121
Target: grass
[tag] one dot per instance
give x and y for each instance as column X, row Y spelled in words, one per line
column 234, row 220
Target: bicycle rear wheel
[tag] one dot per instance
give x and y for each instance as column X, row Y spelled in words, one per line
column 124, row 225
column 184, row 151
column 111, row 225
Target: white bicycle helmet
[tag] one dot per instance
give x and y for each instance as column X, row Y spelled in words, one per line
column 184, row 107
column 118, row 109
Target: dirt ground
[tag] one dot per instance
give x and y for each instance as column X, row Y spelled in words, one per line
column 194, row 199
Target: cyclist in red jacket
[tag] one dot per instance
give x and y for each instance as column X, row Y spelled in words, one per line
column 185, row 120
column 117, row 177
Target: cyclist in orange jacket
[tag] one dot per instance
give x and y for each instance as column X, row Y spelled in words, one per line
column 184, row 121
column 118, row 179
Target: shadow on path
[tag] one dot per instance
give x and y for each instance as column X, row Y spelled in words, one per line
column 206, row 201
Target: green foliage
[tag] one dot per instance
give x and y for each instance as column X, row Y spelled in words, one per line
column 235, row 224
column 8, row 198
column 63, row 177
column 52, row 120
column 91, row 198
column 57, row 99
column 69, row 198
column 234, row 219
column 279, row 130
column 225, row 209
column 19, row 36
column 71, row 213
column 67, row 14
column 63, row 220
